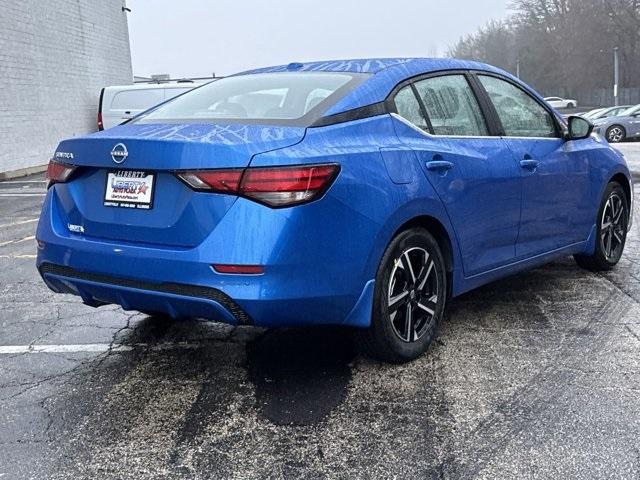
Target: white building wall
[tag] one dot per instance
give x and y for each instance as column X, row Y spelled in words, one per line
column 55, row 56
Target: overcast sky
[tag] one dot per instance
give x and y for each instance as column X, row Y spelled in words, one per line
column 199, row 37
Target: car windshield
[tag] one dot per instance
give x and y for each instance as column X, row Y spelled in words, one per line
column 289, row 98
column 594, row 113
column 630, row 111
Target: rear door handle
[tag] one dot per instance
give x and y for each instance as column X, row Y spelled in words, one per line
column 439, row 166
column 529, row 164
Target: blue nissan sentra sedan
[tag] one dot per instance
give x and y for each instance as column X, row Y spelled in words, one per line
column 363, row 193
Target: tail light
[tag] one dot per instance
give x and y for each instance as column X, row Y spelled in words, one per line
column 275, row 187
column 100, row 122
column 58, row 172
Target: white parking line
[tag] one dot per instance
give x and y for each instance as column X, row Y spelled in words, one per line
column 19, row 257
column 16, row 195
column 11, row 242
column 90, row 348
column 22, row 222
column 13, row 182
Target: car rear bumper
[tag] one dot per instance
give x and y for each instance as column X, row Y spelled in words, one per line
column 176, row 300
column 297, row 287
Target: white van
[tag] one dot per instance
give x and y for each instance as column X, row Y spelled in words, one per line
column 121, row 103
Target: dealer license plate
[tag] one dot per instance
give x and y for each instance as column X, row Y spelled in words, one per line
column 129, row 189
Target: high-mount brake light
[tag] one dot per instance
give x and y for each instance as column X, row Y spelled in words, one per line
column 58, row 172
column 275, row 187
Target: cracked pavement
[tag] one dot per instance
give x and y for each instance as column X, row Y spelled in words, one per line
column 534, row 376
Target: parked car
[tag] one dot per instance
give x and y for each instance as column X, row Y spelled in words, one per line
column 609, row 112
column 557, row 102
column 620, row 128
column 589, row 114
column 372, row 193
column 121, row 103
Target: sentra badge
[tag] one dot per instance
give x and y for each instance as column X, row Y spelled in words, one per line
column 64, row 155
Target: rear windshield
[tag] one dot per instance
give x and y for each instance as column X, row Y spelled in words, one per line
column 291, row 98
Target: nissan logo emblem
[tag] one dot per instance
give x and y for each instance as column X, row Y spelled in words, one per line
column 119, row 153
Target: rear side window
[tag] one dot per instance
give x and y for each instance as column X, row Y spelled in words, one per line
column 408, row 107
column 137, row 99
column 520, row 114
column 451, row 106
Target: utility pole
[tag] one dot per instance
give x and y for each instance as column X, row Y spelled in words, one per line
column 616, row 76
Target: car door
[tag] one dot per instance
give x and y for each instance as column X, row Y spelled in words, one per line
column 473, row 173
column 634, row 125
column 556, row 206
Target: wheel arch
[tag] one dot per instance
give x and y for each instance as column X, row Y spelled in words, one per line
column 441, row 235
column 627, row 185
column 622, row 179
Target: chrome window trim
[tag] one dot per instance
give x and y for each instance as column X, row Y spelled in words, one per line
column 430, row 135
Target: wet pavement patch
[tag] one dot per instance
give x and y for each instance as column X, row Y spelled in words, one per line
column 300, row 375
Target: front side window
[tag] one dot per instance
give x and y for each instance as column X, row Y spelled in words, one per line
column 288, row 98
column 451, row 106
column 521, row 115
column 408, row 107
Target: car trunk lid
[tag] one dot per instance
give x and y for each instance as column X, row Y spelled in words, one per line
column 176, row 214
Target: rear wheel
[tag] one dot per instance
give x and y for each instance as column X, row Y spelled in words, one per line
column 611, row 235
column 571, row 105
column 409, row 300
column 616, row 134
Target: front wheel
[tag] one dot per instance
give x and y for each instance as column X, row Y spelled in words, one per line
column 409, row 300
column 616, row 134
column 611, row 234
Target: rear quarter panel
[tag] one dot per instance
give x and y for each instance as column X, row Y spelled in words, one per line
column 365, row 207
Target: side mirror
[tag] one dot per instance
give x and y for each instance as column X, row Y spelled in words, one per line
column 579, row 128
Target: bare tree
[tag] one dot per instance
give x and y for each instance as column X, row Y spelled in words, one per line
column 562, row 43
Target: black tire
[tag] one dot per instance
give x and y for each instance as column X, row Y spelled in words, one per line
column 616, row 134
column 611, row 227
column 571, row 105
column 391, row 338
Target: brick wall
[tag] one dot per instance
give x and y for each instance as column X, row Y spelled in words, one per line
column 55, row 56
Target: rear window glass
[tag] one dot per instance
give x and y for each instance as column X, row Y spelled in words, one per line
column 174, row 92
column 290, row 98
column 137, row 99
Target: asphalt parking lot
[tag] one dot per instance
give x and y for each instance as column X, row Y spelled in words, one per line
column 535, row 376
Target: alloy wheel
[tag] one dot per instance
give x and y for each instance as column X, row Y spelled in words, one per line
column 613, row 227
column 413, row 294
column 616, row 135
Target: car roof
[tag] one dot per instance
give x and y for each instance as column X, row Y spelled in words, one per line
column 369, row 65
column 385, row 73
